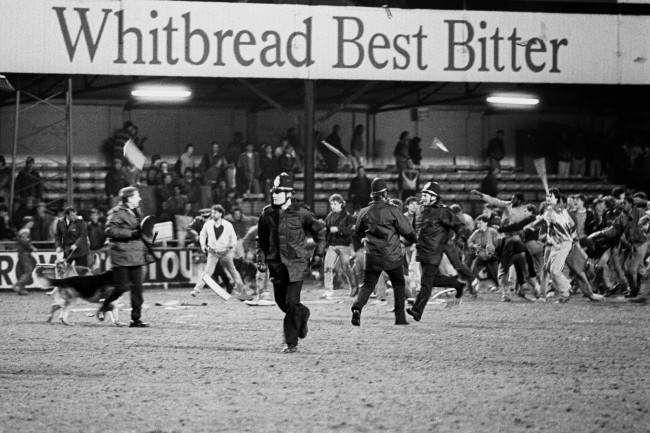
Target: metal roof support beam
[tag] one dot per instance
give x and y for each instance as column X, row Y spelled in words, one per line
column 347, row 101
column 262, row 95
column 308, row 131
column 377, row 107
column 441, row 101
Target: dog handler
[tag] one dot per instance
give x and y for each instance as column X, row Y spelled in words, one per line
column 128, row 253
column 281, row 246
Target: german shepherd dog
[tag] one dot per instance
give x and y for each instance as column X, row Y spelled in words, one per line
column 91, row 288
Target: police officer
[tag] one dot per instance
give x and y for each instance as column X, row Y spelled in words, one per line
column 281, row 246
column 128, row 254
column 436, row 224
column 382, row 225
column 71, row 237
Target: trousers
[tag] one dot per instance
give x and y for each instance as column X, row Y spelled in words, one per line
column 127, row 278
column 370, row 278
column 287, row 297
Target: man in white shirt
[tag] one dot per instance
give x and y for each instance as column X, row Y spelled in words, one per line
column 218, row 241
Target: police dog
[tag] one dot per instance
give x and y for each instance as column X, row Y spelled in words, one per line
column 91, row 288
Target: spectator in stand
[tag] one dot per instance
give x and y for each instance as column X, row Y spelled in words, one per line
column 114, row 146
column 288, row 163
column 294, row 141
column 26, row 262
column 5, row 180
column 496, row 150
column 164, row 190
column 269, row 168
column 7, row 231
column 332, row 160
column 489, row 184
column 359, row 192
column 248, row 169
column 133, row 175
column 401, row 152
column 71, row 238
column 191, row 188
column 211, row 158
column 165, row 213
column 564, row 162
column 408, row 181
column 186, row 160
column 415, row 150
column 579, row 162
column 164, row 169
column 24, row 209
column 28, row 182
column 235, row 148
column 217, row 170
column 115, row 180
column 176, row 203
column 153, row 171
column 230, row 202
column 41, row 230
column 220, row 192
column 357, row 147
column 96, row 234
column 230, row 175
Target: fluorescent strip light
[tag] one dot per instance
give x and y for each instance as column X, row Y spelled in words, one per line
column 162, row 93
column 512, row 100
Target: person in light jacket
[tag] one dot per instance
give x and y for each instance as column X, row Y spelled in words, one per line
column 218, row 241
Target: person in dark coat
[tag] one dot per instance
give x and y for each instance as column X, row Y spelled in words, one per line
column 359, row 192
column 7, row 231
column 496, row 150
column 415, row 150
column 128, row 254
column 26, row 261
column 28, row 182
column 281, row 247
column 96, row 231
column 382, row 224
column 490, row 184
column 339, row 227
column 436, row 225
column 71, row 238
column 43, row 220
column 115, row 180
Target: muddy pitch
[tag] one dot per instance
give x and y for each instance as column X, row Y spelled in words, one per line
column 484, row 366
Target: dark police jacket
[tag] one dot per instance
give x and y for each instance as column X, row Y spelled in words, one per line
column 382, row 225
column 74, row 233
column 127, row 248
column 435, row 225
column 281, row 235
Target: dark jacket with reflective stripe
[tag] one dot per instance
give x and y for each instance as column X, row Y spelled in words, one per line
column 382, row 225
column 435, row 226
column 289, row 229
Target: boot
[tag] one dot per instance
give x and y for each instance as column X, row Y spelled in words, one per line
column 400, row 318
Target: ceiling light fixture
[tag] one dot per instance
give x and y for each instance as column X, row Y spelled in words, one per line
column 509, row 99
column 162, row 93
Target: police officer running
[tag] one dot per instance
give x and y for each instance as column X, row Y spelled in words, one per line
column 380, row 225
column 281, row 246
column 435, row 224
